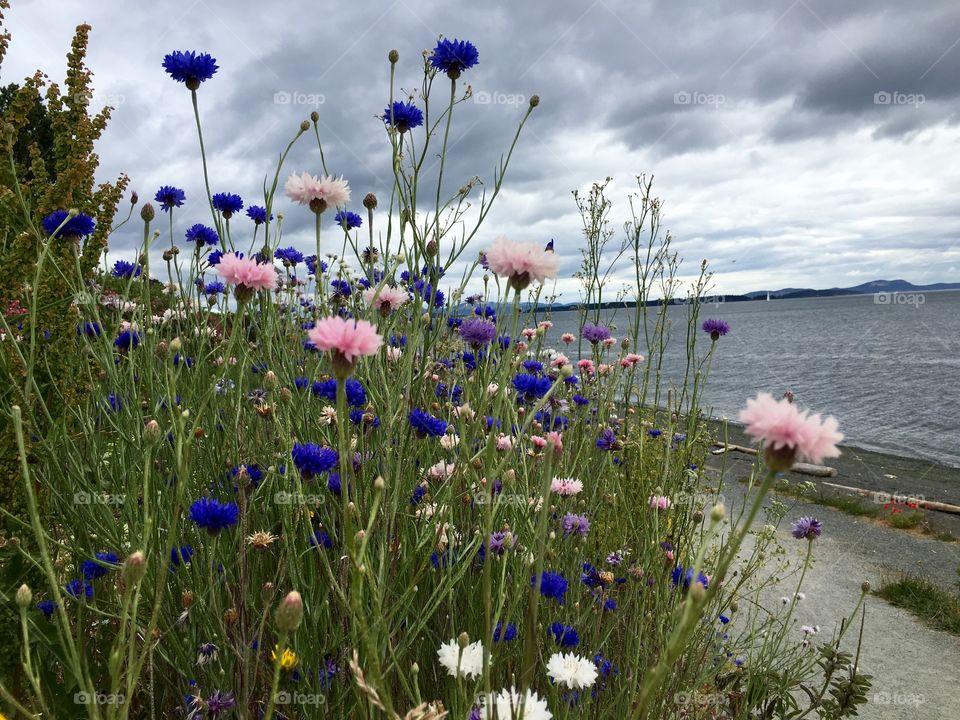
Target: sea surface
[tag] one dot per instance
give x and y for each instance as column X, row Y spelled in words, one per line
column 886, row 366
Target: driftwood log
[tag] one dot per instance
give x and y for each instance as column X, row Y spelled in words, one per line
column 802, row 468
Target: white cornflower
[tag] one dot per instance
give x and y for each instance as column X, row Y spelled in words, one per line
column 466, row 662
column 507, row 702
column 571, row 670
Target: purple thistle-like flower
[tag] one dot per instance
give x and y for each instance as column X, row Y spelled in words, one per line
column 219, row 703
column 498, row 541
column 715, row 328
column 595, row 333
column 573, row 523
column 477, row 332
column 807, row 528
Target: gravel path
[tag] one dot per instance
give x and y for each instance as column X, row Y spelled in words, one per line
column 915, row 669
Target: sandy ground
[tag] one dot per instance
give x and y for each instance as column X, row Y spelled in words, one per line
column 915, row 669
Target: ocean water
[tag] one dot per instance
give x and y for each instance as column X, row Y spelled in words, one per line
column 887, row 367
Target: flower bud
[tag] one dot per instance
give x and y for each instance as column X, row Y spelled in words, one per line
column 304, row 126
column 231, row 617
column 370, row 201
column 393, row 56
column 147, row 213
column 176, row 345
column 315, row 116
column 290, row 612
column 534, row 100
column 186, row 599
column 463, row 639
column 134, row 568
column 431, row 248
column 718, row 513
column 379, row 484
column 865, row 586
column 24, row 596
column 151, row 431
column 270, row 380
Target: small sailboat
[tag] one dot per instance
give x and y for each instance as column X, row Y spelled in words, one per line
column 768, row 296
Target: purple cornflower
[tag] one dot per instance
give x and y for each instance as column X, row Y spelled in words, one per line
column 715, row 328
column 552, row 585
column 608, row 440
column 477, row 332
column 573, row 523
column 219, row 703
column 499, row 541
column 807, row 528
column 213, row 515
column 190, row 67
column 595, row 333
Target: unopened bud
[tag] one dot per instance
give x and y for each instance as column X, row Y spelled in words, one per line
column 431, row 248
column 134, row 568
column 314, row 116
column 463, row 639
column 270, row 380
column 186, row 599
column 566, row 370
column 865, row 586
column 147, row 213
column 176, row 345
column 393, row 56
column 24, row 596
column 379, row 484
column 152, row 431
column 304, row 126
column 370, row 201
column 534, row 100
column 290, row 612
column 718, row 513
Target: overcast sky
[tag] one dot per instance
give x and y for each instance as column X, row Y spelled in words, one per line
column 807, row 143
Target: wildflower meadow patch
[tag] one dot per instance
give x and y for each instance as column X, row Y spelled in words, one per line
column 246, row 479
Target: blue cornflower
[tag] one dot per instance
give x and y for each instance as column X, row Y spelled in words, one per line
column 79, row 224
column 169, row 196
column 425, row 424
column 552, row 585
column 289, row 255
column 179, row 555
column 190, row 67
column 93, row 570
column 47, row 607
column 530, row 387
column 347, row 220
column 564, row 635
column 227, row 203
column 90, row 329
column 114, row 403
column 686, row 576
column 405, row 116
column 333, row 483
column 608, row 440
column 549, row 246
column 75, row 587
column 504, row 633
column 124, row 269
column 654, row 433
column 417, row 495
column 311, row 459
column 341, row 288
column 214, row 257
column 213, row 515
column 724, row 619
column 580, row 399
column 321, row 538
column 311, row 261
column 356, row 395
column 534, row 367
column 454, row 56
column 258, row 214
column 215, row 287
column 127, row 340
column 202, row 235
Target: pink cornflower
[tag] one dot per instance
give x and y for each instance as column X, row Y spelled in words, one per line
column 568, row 338
column 246, row 273
column 659, row 502
column 441, row 470
column 566, row 487
column 789, row 433
column 559, row 361
column 545, row 324
column 386, row 300
column 521, row 347
column 529, row 333
column 557, row 440
column 631, row 359
column 609, row 342
column 539, row 443
column 317, row 192
column 604, row 369
column 348, row 340
column 586, row 366
column 521, row 262
column 504, row 442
